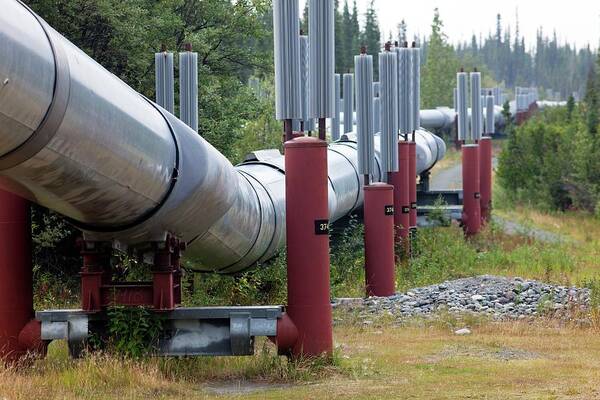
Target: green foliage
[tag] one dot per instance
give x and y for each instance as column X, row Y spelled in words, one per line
column 347, row 260
column 56, row 260
column 232, row 41
column 267, row 282
column 133, row 330
column 592, row 102
column 437, row 214
column 570, row 107
column 264, row 284
column 262, row 132
column 442, row 254
column 552, row 162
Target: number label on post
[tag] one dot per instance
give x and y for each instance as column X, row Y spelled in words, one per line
column 389, row 210
column 322, row 227
column 477, row 195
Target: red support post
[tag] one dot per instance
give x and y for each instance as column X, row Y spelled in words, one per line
column 307, row 229
column 485, row 171
column 401, row 197
column 94, row 274
column 19, row 332
column 471, row 215
column 412, row 184
column 379, row 240
column 163, row 277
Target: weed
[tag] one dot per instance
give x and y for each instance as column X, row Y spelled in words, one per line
column 133, row 330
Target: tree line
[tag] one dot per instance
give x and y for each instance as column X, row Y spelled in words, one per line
column 558, row 69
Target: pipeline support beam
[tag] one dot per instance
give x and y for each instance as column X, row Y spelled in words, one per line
column 485, row 171
column 471, row 215
column 307, row 230
column 379, row 240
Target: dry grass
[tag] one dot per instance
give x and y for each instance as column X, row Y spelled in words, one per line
column 424, row 360
column 579, row 226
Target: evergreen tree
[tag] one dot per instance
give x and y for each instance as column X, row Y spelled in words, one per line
column 347, row 63
column 570, row 107
column 591, row 102
column 304, row 20
column 340, row 54
column 402, row 28
column 439, row 73
column 355, row 29
column 371, row 36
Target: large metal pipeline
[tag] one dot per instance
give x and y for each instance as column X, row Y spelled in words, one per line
column 76, row 139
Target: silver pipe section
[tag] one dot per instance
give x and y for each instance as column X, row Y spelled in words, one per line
column 76, row 139
column 442, row 119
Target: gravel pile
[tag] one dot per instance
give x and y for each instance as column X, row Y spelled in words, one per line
column 498, row 297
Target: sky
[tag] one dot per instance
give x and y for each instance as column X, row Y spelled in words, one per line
column 575, row 21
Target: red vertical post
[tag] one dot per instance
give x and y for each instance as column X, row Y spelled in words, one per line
column 307, row 229
column 16, row 276
column 471, row 215
column 401, row 196
column 412, row 184
column 163, row 278
column 485, row 177
column 379, row 240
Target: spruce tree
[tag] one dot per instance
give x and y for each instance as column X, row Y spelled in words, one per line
column 340, row 54
column 402, row 28
column 570, row 107
column 591, row 102
column 355, row 29
column 304, row 21
column 439, row 72
column 348, row 40
column 371, row 36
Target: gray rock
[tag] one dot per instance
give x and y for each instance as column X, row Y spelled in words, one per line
column 463, row 332
column 499, row 297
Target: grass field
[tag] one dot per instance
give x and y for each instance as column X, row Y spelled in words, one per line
column 423, row 360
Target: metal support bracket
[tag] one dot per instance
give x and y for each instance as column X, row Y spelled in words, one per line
column 198, row 331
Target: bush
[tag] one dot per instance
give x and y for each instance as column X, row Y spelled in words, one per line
column 552, row 162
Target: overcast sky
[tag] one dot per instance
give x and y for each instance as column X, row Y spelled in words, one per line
column 574, row 20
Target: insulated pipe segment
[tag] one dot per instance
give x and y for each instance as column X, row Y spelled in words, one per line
column 102, row 155
column 30, row 115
